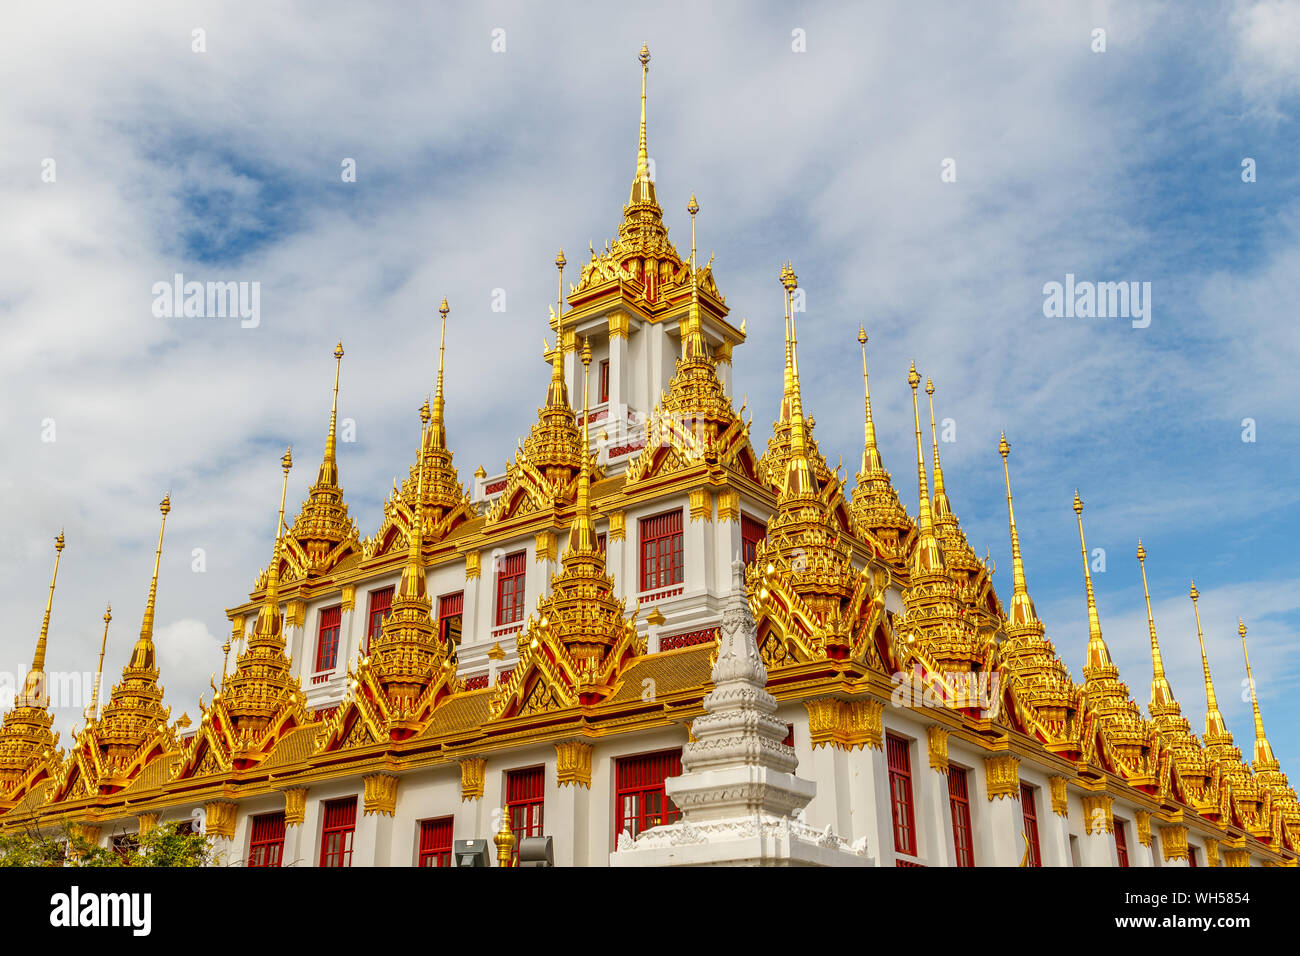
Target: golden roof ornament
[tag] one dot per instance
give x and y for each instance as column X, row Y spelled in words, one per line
column 1217, row 737
column 937, row 632
column 1034, row 672
column 323, row 531
column 1264, row 759
column 878, row 515
column 262, row 699
column 1127, row 732
column 813, row 603
column 694, row 423
column 1162, row 695
column 409, row 667
column 92, row 709
column 969, row 573
column 132, row 731
column 577, row 643
column 26, row 738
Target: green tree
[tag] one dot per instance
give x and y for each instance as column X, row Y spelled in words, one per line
column 161, row 846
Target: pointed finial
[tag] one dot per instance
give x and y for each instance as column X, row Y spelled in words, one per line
column 328, row 475
column 92, row 709
column 942, row 507
column 34, row 691
column 1162, row 695
column 1264, row 758
column 927, row 558
column 582, row 535
column 425, row 412
column 1022, row 606
column 1098, row 653
column 642, row 159
column 142, row 656
column 1214, row 723
column 871, row 461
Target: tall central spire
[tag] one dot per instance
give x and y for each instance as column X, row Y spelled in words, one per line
column 268, row 629
column 1264, row 759
column 142, row 657
column 798, row 476
column 643, row 190
column 329, row 469
column 92, row 709
column 871, row 461
column 1162, row 695
column 582, row 535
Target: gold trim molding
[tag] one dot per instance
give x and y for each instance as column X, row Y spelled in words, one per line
column 617, row 526
column 295, row 613
column 471, row 565
column 573, row 763
column 1002, row 776
column 1236, row 857
column 937, row 739
column 846, row 724
column 545, row 546
column 147, row 822
column 219, row 818
column 473, row 771
column 1143, row 820
column 701, row 505
column 1173, row 843
column 1211, row 852
column 295, row 806
column 1059, row 787
column 380, row 793
column 618, row 325
column 728, row 505
column 349, row 601
column 1098, row 813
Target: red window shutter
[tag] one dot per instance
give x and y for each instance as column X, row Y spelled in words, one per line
column 1029, row 809
column 266, row 844
column 1191, row 857
column 381, row 602
column 959, row 800
column 604, row 380
column 752, row 531
column 451, row 609
column 327, row 642
column 510, row 588
column 435, row 842
column 661, row 550
column 337, row 831
column 1121, row 843
column 525, row 794
column 640, row 798
column 900, row 788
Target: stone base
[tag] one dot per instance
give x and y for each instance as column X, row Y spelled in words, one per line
column 760, row 840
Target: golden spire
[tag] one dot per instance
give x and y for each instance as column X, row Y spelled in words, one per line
column 412, row 584
column 34, row 692
column 1022, row 605
column 557, row 395
column 1098, row 653
column 642, row 157
column 329, row 469
column 927, row 558
column 789, row 383
column 267, row 629
column 323, row 522
column 870, row 453
column 582, row 536
column 942, row 507
column 437, row 435
column 1162, row 695
column 693, row 349
column 92, row 709
column 142, row 656
column 1264, row 759
column 798, row 476
column 1215, row 728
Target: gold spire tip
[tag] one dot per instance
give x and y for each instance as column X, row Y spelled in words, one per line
column 644, row 56
column 929, row 387
column 913, row 379
column 1078, row 503
column 692, row 207
column 862, row 335
column 443, row 309
column 425, row 412
column 1004, row 448
column 286, row 460
column 338, row 350
column 58, row 542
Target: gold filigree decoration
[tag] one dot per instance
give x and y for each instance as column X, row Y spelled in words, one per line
column 1060, row 795
column 379, row 793
column 573, row 763
column 1002, row 776
column 473, row 773
column 937, row 739
column 1098, row 812
column 295, row 806
column 1173, row 842
column 219, row 818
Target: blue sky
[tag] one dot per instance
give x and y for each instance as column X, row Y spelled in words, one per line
column 475, row 166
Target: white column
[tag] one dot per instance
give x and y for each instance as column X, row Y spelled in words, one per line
column 618, row 394
column 373, row 838
column 869, row 810
column 470, row 628
column 934, row 814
